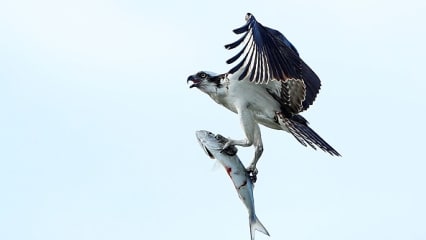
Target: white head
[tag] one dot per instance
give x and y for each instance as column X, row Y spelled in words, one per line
column 208, row 82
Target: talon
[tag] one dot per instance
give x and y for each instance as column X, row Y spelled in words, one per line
column 227, row 145
column 252, row 171
column 253, row 178
column 255, row 171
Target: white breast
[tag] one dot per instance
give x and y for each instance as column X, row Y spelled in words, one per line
column 245, row 94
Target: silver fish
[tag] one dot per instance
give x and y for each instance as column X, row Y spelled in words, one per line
column 213, row 146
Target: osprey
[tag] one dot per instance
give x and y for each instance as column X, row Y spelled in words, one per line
column 270, row 85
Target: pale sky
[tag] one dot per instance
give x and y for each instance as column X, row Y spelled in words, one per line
column 97, row 125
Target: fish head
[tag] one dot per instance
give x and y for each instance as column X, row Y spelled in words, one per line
column 213, row 144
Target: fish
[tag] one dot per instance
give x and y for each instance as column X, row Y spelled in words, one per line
column 213, row 145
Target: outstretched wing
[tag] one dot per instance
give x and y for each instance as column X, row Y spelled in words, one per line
column 267, row 55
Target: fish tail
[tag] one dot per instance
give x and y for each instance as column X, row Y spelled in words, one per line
column 255, row 224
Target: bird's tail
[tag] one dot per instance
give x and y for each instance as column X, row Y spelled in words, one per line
column 298, row 127
column 255, row 224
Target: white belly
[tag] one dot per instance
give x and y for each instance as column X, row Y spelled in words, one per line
column 244, row 94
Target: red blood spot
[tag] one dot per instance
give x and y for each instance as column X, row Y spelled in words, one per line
column 229, row 170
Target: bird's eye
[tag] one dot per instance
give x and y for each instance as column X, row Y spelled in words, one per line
column 203, row 75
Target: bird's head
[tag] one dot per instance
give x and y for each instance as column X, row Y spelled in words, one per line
column 207, row 82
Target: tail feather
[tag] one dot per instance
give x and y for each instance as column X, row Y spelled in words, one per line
column 299, row 128
column 255, row 224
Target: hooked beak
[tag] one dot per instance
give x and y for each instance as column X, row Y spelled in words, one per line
column 195, row 82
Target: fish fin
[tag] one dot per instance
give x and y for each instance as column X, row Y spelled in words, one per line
column 255, row 224
column 216, row 165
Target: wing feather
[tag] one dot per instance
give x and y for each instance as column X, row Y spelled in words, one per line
column 267, row 55
column 236, row 43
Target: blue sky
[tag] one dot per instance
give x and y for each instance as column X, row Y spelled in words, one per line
column 97, row 123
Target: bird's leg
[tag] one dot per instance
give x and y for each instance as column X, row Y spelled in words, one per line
column 252, row 170
column 258, row 150
column 253, row 137
column 232, row 142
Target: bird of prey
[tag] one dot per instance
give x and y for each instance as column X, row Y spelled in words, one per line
column 270, row 85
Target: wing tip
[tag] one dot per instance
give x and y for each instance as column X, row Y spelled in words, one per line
column 306, row 135
column 248, row 16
